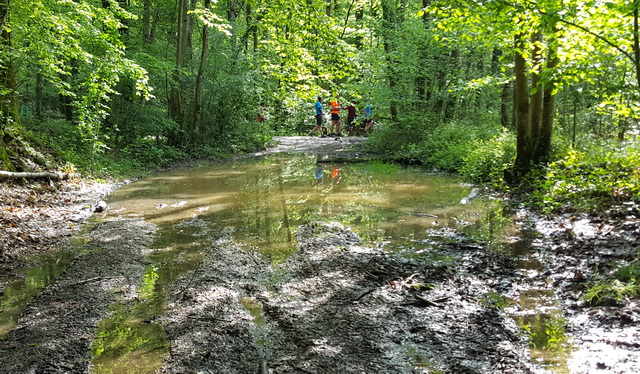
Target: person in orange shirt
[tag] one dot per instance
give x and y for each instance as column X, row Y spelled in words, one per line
column 335, row 117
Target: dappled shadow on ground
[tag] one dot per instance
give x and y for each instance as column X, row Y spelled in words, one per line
column 337, row 307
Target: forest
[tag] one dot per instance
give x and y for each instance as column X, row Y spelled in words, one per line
column 496, row 91
column 536, row 103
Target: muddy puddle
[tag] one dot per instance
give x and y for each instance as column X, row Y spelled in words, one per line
column 403, row 277
column 262, row 203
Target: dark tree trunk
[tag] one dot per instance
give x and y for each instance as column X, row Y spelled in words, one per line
column 359, row 18
column 505, row 117
column 9, row 99
column 524, row 144
column 390, row 20
column 636, row 41
column 175, row 95
column 147, row 34
column 38, row 95
column 535, row 106
column 548, row 107
column 197, row 112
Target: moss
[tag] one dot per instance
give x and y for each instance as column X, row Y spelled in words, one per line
column 5, row 161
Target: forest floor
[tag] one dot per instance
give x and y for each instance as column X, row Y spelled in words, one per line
column 340, row 307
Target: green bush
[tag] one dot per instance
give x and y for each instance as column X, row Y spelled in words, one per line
column 590, row 180
column 487, row 160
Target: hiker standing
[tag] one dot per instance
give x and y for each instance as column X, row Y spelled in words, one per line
column 335, row 117
column 319, row 117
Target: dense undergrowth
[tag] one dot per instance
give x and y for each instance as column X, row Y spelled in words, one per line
column 588, row 177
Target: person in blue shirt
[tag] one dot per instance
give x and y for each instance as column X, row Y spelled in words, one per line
column 319, row 117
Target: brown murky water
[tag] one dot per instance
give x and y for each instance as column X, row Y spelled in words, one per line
column 262, row 202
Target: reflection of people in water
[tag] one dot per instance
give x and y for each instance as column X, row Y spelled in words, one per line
column 318, row 173
column 335, row 174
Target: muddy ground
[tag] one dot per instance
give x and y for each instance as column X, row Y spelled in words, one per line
column 335, row 306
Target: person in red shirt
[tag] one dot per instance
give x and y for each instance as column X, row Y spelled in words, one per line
column 262, row 110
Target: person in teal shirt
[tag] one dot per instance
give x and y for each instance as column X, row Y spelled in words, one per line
column 368, row 120
column 319, row 117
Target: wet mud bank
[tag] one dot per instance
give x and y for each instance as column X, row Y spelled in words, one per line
column 55, row 333
column 576, row 252
column 38, row 217
column 337, row 306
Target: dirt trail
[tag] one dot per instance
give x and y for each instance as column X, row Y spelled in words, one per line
column 334, row 307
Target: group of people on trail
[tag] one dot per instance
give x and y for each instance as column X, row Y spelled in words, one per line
column 335, row 129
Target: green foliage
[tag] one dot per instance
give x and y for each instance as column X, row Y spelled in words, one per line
column 546, row 332
column 605, row 292
column 495, row 299
column 589, row 180
column 487, row 160
column 619, row 286
column 447, row 146
column 379, row 167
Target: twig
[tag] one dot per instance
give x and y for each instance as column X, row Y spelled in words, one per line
column 365, row 294
column 195, row 271
column 86, row 281
column 428, row 302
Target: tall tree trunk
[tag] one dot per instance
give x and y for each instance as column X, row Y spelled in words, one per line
column 197, row 111
column 359, row 18
column 147, row 35
column 505, row 118
column 38, row 96
column 421, row 78
column 535, row 109
column 9, row 99
column 190, row 28
column 636, row 41
column 5, row 116
column 175, row 96
column 389, row 24
column 543, row 149
column 524, row 144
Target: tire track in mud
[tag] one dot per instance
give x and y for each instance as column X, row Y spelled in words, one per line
column 337, row 307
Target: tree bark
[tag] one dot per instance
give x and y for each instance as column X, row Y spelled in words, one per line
column 389, row 18
column 147, row 35
column 33, row 175
column 524, row 143
column 543, row 149
column 505, row 117
column 535, row 109
column 9, row 100
column 197, row 111
column 175, row 97
column 636, row 42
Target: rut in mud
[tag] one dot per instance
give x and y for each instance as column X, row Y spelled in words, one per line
column 337, row 307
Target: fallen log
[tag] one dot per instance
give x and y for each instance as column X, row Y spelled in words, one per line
column 33, row 175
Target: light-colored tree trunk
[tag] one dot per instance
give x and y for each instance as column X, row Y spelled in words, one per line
column 636, row 41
